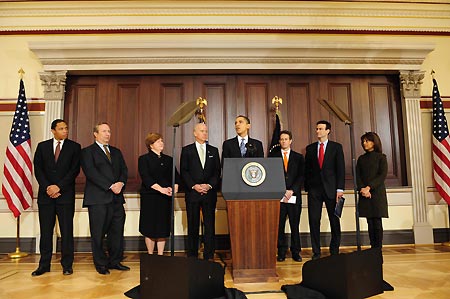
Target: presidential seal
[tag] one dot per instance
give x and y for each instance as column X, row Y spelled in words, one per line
column 253, row 174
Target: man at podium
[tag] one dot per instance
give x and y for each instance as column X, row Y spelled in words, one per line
column 242, row 145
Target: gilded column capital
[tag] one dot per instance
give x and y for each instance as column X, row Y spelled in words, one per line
column 411, row 82
column 54, row 84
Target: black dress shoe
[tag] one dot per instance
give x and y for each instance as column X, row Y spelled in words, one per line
column 280, row 258
column 315, row 256
column 39, row 271
column 297, row 258
column 120, row 267
column 102, row 270
column 68, row 271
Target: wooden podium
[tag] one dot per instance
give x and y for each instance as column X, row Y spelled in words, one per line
column 253, row 212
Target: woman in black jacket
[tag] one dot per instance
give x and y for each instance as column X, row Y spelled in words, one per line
column 371, row 171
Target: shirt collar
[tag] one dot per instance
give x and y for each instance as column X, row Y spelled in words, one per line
column 55, row 142
column 325, row 143
column 198, row 144
column 101, row 145
column 240, row 138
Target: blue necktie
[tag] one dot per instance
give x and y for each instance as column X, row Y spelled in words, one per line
column 242, row 147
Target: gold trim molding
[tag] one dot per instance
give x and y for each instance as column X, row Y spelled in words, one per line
column 224, row 15
column 224, row 52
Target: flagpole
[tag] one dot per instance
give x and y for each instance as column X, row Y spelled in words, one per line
column 446, row 243
column 17, row 254
column 201, row 117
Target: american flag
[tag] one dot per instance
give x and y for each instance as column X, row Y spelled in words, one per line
column 17, row 171
column 441, row 147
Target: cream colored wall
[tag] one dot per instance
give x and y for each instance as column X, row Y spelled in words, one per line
column 15, row 53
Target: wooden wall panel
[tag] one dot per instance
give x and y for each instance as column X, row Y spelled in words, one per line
column 298, row 101
column 341, row 95
column 256, row 93
column 126, row 138
column 137, row 105
column 215, row 93
column 381, row 103
column 84, row 112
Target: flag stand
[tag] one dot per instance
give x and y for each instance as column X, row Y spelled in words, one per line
column 447, row 243
column 17, row 254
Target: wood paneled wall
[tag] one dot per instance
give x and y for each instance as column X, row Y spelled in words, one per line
column 137, row 105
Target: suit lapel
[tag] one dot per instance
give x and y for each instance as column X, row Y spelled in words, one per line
column 63, row 152
column 49, row 149
column 315, row 152
column 328, row 150
column 236, row 146
column 197, row 155
column 102, row 153
column 290, row 161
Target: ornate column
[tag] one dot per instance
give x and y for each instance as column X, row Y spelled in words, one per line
column 410, row 85
column 54, row 91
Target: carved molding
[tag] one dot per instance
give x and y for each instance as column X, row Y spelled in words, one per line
column 54, row 93
column 217, row 15
column 411, row 82
column 223, row 52
column 54, row 85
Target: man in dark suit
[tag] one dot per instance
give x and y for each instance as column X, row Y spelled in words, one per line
column 200, row 171
column 324, row 182
column 291, row 204
column 56, row 165
column 242, row 145
column 106, row 176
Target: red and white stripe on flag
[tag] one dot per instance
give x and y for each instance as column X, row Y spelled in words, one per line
column 441, row 146
column 18, row 169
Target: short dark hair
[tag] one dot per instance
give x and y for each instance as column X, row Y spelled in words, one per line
column 56, row 122
column 372, row 136
column 244, row 117
column 324, row 122
column 289, row 133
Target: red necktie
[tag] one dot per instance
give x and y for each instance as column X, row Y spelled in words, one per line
column 57, row 150
column 285, row 161
column 321, row 155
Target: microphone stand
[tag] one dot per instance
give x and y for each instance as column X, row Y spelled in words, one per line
column 172, row 214
column 182, row 115
column 352, row 151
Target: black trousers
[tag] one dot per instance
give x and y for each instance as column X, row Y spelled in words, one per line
column 107, row 220
column 209, row 215
column 47, row 221
column 316, row 198
column 293, row 212
column 375, row 228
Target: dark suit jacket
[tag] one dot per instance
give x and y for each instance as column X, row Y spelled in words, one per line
column 62, row 173
column 295, row 172
column 101, row 174
column 230, row 148
column 192, row 172
column 332, row 175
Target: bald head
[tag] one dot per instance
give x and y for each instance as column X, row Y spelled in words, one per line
column 201, row 133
